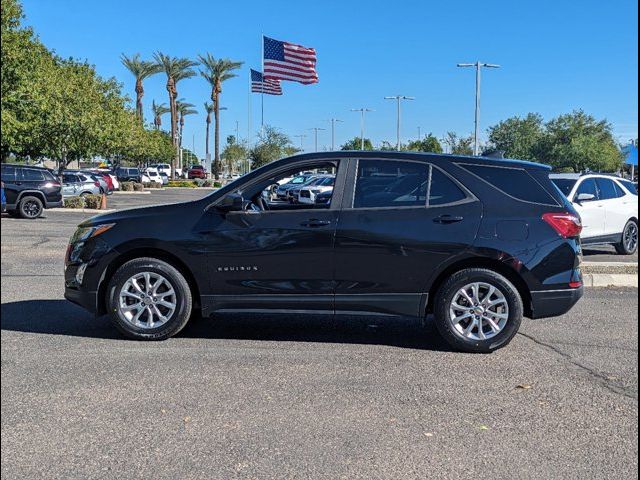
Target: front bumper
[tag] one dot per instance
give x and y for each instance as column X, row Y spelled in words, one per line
column 553, row 303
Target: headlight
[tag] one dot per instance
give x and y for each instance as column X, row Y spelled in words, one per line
column 83, row 234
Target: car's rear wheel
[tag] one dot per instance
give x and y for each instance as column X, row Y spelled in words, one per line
column 149, row 299
column 30, row 207
column 629, row 243
column 478, row 310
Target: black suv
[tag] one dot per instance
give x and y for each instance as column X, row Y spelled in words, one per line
column 128, row 174
column 477, row 242
column 30, row 190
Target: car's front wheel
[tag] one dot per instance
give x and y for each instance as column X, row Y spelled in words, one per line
column 149, row 299
column 478, row 310
column 629, row 243
column 30, row 207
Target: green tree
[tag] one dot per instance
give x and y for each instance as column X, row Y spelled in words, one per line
column 176, row 69
column 272, row 145
column 459, row 145
column 356, row 143
column 578, row 142
column 518, row 137
column 234, row 154
column 141, row 70
column 217, row 71
column 428, row 144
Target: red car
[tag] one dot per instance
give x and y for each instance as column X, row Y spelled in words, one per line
column 197, row 171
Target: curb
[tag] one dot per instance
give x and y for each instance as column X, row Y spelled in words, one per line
column 610, row 268
column 120, row 192
column 80, row 210
column 610, row 280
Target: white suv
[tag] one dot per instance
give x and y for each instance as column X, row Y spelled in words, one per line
column 608, row 207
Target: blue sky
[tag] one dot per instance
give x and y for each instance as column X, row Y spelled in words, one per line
column 556, row 56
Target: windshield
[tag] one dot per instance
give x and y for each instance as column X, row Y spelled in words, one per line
column 326, row 182
column 564, row 184
column 298, row 180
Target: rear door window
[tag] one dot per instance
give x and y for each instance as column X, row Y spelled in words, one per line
column 8, row 173
column 515, row 182
column 391, row 183
column 32, row 175
column 443, row 190
column 607, row 189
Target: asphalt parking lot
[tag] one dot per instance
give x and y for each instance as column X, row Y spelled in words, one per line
column 302, row 396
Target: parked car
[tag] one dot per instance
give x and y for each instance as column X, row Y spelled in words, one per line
column 477, row 242
column 164, row 177
column 129, row 174
column 162, row 168
column 79, row 184
column 293, row 194
column 197, row 171
column 308, row 193
column 29, row 190
column 296, row 181
column 324, row 198
column 112, row 176
column 608, row 207
column 88, row 177
column 153, row 175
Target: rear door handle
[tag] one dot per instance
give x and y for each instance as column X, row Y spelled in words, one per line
column 315, row 223
column 445, row 219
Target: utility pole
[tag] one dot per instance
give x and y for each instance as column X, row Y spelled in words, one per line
column 419, row 134
column 478, row 66
column 237, row 131
column 398, row 98
column 315, row 132
column 301, row 136
column 333, row 132
column 362, row 112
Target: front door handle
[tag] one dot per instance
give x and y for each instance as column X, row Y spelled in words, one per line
column 315, row 223
column 446, row 219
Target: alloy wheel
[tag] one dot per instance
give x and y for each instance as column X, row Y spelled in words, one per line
column 631, row 237
column 478, row 311
column 147, row 300
column 31, row 209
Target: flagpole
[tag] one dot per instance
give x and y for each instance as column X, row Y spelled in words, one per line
column 262, row 89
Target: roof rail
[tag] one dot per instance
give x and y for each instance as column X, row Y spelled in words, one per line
column 614, row 175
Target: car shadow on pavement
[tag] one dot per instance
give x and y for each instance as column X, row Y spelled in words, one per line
column 60, row 317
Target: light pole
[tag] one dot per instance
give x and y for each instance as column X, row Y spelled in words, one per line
column 478, row 66
column 419, row 134
column 362, row 112
column 301, row 137
column 315, row 132
column 398, row 98
column 333, row 132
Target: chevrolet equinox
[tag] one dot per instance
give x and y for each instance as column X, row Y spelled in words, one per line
column 479, row 243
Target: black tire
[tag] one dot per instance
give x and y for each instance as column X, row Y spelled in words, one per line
column 627, row 247
column 184, row 301
column 445, row 297
column 30, row 207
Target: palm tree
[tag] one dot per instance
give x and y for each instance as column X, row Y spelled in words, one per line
column 208, row 108
column 176, row 69
column 183, row 108
column 158, row 111
column 216, row 72
column 140, row 69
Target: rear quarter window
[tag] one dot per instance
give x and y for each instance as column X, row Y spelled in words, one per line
column 32, row 175
column 515, row 182
column 629, row 186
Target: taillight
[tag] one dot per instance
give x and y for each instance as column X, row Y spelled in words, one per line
column 565, row 224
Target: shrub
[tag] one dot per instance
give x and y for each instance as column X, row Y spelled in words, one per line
column 92, row 201
column 138, row 187
column 74, row 202
column 151, row 185
column 207, row 183
column 126, row 186
column 199, row 182
column 181, row 183
column 217, row 184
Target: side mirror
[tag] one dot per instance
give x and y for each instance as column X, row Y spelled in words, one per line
column 584, row 197
column 232, row 202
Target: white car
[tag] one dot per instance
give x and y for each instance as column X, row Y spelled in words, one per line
column 154, row 176
column 608, row 207
column 162, row 167
column 308, row 194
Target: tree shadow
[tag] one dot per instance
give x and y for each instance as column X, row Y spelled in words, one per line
column 60, row 317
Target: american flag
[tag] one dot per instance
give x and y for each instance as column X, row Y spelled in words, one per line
column 262, row 85
column 287, row 61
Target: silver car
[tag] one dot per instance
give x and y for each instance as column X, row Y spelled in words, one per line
column 80, row 183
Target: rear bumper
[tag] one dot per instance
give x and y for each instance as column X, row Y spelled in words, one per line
column 553, row 303
column 55, row 204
